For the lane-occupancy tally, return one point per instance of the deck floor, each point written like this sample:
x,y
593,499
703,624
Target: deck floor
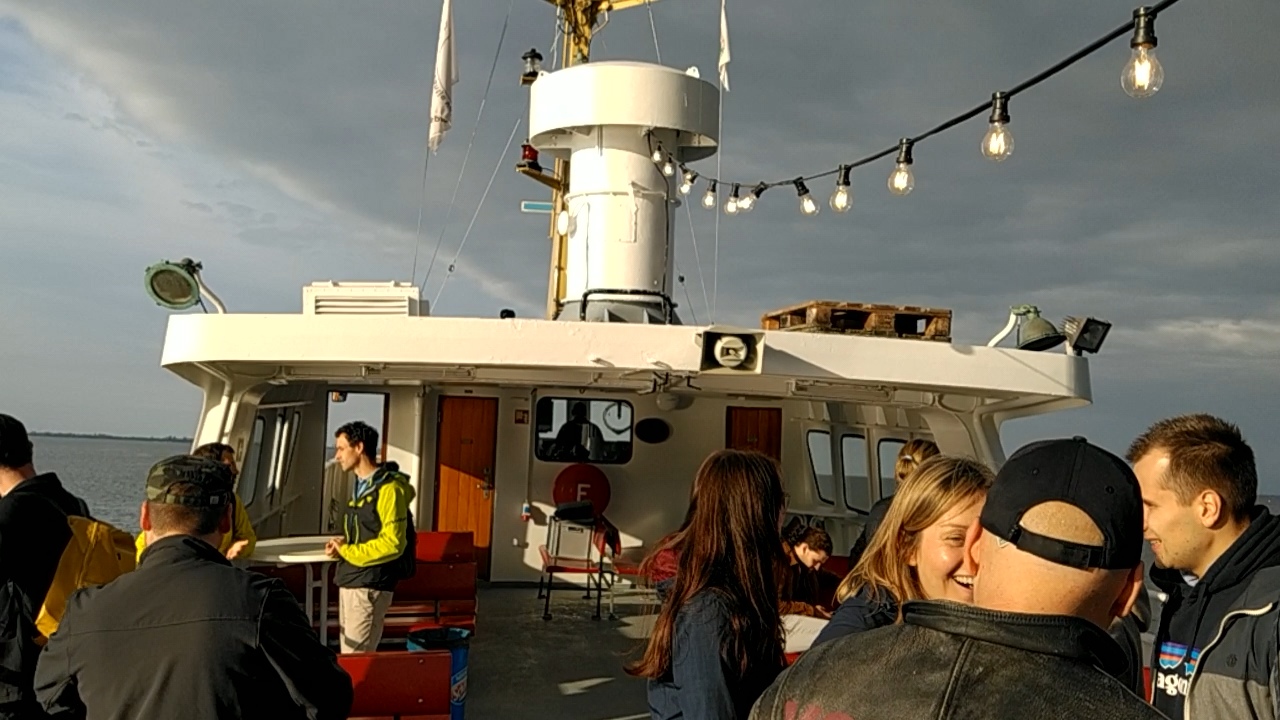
x,y
521,666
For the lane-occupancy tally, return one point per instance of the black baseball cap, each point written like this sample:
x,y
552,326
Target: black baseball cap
x,y
1077,473
209,482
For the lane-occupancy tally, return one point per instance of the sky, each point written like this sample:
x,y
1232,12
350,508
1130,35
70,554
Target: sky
x,y
282,143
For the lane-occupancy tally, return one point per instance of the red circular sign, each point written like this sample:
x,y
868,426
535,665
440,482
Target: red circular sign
x,y
582,482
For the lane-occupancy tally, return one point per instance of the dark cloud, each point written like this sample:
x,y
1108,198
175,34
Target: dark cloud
x,y
202,207
1158,215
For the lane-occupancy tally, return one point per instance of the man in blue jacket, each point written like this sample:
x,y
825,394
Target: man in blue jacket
x,y
1218,559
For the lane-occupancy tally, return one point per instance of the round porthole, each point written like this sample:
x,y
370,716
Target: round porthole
x,y
653,430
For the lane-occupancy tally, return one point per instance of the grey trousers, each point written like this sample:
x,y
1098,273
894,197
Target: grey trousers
x,y
360,615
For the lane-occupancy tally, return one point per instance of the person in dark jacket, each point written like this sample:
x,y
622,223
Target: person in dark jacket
x,y
718,641
1057,554
187,635
377,547
1218,560
801,583
33,534
920,553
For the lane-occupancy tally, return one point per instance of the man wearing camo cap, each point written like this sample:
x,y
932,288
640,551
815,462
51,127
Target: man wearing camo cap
x,y
187,634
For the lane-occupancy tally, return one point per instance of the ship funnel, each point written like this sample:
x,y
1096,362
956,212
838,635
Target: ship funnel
x,y
610,120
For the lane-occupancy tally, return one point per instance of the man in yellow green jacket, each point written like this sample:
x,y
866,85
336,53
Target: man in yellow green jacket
x,y
378,540
241,540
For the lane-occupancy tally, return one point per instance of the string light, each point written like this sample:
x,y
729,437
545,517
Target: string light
x,y
807,205
842,198
1142,75
731,205
709,198
902,181
748,202
997,144
686,184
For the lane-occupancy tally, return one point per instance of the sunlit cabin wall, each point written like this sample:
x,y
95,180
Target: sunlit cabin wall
x,y
405,411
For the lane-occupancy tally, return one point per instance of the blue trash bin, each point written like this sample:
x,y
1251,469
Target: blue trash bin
x,y
458,642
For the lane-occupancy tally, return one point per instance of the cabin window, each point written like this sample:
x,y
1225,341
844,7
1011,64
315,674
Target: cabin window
x,y
249,468
820,463
581,430
853,460
282,458
887,451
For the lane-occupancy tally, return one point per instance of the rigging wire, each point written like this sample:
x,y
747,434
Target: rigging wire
x,y
697,257
453,264
465,158
656,50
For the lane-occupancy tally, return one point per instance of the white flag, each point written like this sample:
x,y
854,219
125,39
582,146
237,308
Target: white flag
x,y
446,76
724,48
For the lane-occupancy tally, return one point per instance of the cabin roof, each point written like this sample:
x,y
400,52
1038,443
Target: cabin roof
x,y
533,352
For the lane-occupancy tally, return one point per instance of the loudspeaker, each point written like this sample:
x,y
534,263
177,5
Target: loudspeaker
x,y
731,351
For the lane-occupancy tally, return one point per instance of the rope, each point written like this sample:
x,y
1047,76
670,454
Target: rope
x,y
453,264
697,257
687,299
465,158
715,263
656,50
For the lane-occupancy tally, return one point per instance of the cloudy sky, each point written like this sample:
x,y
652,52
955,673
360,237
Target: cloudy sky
x,y
282,142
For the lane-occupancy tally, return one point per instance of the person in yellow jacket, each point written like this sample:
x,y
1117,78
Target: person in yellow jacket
x,y
241,540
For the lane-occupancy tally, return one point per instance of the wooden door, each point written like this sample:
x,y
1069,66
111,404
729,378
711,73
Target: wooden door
x,y
465,452
759,429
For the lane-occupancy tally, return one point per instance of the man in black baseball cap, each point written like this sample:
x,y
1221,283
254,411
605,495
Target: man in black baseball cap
x,y
1056,556
224,637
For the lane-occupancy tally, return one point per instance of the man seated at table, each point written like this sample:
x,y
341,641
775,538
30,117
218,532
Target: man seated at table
x,y
187,634
242,539
377,547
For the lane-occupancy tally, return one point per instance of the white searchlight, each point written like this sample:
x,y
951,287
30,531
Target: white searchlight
x,y
178,286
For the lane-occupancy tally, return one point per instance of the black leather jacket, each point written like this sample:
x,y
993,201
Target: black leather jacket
x,y
960,662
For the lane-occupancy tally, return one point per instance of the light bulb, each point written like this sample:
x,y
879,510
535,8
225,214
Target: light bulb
x,y
841,199
686,184
709,197
668,168
807,205
997,144
657,155
731,205
1143,75
901,180
746,203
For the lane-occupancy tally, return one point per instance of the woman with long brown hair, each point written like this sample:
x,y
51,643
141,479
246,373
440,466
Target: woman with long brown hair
x,y
917,553
718,641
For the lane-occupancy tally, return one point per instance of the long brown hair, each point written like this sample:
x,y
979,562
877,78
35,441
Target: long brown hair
x,y
936,487
911,456
732,547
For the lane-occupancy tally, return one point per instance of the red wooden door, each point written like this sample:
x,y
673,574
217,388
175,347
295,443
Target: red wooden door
x,y
758,429
466,448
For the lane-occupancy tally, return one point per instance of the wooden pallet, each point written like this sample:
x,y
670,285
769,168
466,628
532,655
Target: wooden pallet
x,y
830,316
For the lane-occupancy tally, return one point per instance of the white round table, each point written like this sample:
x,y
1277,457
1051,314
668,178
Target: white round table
x,y
308,551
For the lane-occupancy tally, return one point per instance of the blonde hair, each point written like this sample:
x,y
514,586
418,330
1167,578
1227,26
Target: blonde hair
x,y
937,486
911,456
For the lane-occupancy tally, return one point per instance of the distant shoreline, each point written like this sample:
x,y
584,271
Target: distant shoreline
x,y
104,436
